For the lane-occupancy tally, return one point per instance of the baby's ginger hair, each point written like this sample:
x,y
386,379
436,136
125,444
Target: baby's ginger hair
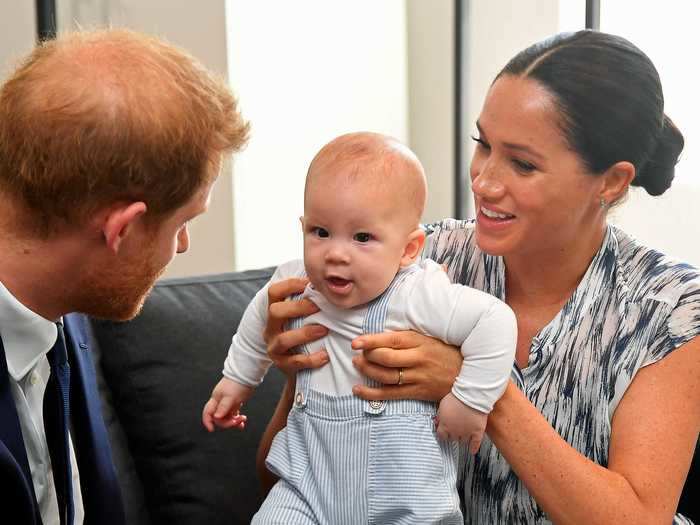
x,y
378,161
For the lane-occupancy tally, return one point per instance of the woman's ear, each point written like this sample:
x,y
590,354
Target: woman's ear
x,y
616,181
119,221
414,245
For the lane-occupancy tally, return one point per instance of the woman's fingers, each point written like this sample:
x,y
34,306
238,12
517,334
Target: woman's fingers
x,y
396,340
279,310
383,373
285,310
282,311
414,391
280,341
280,290
429,366
283,342
292,363
391,357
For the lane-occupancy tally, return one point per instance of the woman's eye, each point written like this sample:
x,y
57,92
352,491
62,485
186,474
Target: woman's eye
x,y
363,237
481,142
321,232
524,166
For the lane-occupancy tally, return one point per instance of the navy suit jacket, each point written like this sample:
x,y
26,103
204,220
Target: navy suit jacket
x,y
102,499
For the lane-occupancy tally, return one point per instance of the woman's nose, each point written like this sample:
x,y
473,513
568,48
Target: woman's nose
x,y
487,183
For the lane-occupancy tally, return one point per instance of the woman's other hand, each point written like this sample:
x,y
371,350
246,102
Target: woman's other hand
x,y
281,342
409,365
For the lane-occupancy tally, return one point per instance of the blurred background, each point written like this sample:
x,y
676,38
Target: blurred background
x,y
309,70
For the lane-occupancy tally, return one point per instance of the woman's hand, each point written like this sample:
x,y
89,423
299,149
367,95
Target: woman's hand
x,y
281,342
426,367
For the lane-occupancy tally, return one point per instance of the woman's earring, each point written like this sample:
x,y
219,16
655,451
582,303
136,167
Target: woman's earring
x,y
603,204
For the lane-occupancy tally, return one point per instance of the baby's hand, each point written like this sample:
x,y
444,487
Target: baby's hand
x,y
223,408
459,422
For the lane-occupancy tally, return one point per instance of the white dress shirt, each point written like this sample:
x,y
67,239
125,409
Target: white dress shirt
x,y
27,338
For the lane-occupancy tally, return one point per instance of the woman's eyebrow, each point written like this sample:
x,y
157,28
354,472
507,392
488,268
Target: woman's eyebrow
x,y
513,145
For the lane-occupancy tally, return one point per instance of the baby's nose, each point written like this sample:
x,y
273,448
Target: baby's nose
x,y
337,254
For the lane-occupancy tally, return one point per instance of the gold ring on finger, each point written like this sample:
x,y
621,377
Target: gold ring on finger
x,y
400,381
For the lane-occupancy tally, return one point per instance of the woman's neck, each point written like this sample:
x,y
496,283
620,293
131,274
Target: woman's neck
x,y
549,276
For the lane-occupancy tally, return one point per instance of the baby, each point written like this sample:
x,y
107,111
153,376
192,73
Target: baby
x,y
342,459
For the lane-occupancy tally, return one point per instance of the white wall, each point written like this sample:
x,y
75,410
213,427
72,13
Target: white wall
x,y
18,33
671,222
431,104
306,72
200,28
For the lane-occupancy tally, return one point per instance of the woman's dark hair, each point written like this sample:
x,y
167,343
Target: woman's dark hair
x,y
612,105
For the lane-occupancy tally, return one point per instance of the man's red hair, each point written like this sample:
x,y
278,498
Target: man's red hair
x,y
97,117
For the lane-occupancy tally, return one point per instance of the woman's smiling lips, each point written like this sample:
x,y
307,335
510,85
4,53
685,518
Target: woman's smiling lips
x,y
494,218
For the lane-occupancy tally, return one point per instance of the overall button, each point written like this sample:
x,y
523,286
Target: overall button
x,y
376,405
300,399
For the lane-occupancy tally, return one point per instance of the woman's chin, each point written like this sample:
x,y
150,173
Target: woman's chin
x,y
492,245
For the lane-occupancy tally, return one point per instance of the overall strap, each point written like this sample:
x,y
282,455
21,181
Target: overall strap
x,y
304,375
374,323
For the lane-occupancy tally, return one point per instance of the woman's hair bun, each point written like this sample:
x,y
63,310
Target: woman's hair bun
x,y
656,174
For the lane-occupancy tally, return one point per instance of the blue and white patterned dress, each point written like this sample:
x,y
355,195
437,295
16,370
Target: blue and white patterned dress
x,y
633,307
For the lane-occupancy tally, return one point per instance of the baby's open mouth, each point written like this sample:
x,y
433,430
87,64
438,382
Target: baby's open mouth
x,y
338,284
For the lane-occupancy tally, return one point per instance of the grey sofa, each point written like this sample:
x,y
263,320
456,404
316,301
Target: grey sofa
x,y
156,372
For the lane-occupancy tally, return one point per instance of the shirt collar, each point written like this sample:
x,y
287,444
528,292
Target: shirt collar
x,y
26,335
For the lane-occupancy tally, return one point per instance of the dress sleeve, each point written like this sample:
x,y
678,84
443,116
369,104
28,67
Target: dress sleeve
x,y
682,324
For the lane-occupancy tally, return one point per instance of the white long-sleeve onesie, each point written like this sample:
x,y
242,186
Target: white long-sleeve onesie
x,y
425,301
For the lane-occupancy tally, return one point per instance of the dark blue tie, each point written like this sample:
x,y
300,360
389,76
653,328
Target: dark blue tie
x,y
56,418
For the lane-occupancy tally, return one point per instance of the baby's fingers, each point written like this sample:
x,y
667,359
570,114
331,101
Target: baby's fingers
x,y
225,407
208,414
234,421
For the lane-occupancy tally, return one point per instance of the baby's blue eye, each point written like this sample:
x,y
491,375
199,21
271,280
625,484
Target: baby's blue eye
x,y
322,233
363,237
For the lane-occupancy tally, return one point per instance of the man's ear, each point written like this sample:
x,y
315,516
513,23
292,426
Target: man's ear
x,y
616,181
414,245
119,221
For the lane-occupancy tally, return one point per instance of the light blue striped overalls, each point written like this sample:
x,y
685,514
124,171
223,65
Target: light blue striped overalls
x,y
342,460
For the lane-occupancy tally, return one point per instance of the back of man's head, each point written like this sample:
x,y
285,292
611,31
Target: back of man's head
x,y
93,118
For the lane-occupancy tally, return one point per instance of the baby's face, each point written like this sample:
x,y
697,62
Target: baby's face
x,y
354,239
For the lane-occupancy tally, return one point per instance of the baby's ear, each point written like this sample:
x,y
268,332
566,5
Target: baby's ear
x,y
414,245
301,221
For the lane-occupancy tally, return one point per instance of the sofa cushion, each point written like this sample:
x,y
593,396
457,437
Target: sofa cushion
x,y
159,369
